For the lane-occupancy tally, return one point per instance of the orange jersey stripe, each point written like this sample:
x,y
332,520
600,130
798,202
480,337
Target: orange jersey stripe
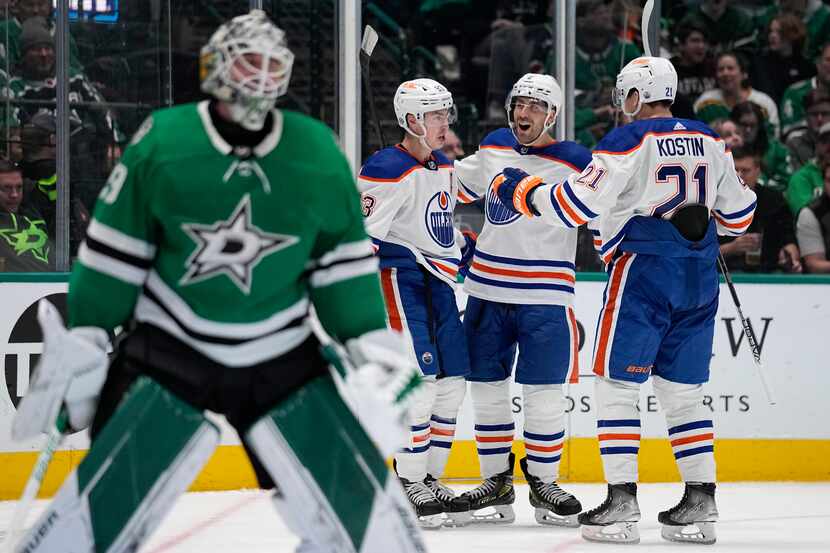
x,y
560,198
421,438
654,134
574,376
528,274
745,223
398,179
608,313
445,268
692,439
391,302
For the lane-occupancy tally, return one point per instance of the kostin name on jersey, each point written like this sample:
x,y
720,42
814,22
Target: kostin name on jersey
x,y
680,146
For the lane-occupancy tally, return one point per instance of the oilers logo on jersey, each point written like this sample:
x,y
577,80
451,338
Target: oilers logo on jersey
x,y
495,210
439,219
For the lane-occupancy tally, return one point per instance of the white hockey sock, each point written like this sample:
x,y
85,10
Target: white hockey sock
x,y
544,430
449,395
691,432
618,428
411,462
494,426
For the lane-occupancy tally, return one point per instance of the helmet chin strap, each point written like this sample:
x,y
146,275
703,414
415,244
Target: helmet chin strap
x,y
422,138
634,113
545,129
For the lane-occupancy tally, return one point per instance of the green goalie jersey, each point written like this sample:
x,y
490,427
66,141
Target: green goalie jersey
x,y
226,249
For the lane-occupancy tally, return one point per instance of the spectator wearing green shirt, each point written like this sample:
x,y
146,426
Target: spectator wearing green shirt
x,y
775,157
806,184
600,54
729,27
732,74
813,13
792,105
12,28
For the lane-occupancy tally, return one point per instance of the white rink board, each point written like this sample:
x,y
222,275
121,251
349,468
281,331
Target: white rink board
x,y
793,321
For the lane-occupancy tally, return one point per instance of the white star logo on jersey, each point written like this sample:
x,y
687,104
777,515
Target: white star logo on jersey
x,y
232,247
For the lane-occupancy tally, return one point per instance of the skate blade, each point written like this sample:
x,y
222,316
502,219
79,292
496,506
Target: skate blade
x,y
431,522
496,514
457,520
699,532
618,532
549,518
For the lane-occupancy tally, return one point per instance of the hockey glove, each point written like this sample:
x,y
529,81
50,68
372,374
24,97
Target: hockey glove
x,y
467,251
379,386
515,189
70,374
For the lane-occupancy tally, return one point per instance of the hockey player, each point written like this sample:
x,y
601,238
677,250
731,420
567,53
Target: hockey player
x,y
408,200
222,225
521,287
662,188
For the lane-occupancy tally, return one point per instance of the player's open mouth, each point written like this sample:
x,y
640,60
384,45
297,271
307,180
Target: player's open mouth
x,y
524,127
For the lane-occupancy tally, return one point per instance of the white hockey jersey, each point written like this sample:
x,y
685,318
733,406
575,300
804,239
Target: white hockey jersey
x,y
408,208
519,260
650,168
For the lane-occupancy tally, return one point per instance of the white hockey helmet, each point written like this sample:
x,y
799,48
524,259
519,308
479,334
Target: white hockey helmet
x,y
421,96
247,64
539,87
654,78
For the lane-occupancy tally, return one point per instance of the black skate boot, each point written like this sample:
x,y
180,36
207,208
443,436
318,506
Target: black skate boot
x,y
693,519
427,507
554,505
616,519
497,493
456,508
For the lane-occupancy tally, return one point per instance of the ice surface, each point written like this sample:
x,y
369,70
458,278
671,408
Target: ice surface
x,y
755,517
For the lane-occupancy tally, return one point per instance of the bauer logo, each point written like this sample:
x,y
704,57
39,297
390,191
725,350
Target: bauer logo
x,y
24,348
496,212
439,220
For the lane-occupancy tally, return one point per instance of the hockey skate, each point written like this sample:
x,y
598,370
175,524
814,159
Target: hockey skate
x,y
456,508
492,501
554,506
427,507
693,519
614,521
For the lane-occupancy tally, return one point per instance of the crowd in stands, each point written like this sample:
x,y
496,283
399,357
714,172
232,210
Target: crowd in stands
x,y
757,71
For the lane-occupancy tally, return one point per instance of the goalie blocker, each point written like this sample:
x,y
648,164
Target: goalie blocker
x,y
154,400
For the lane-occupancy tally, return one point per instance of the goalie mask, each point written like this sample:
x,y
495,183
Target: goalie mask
x,y
247,65
538,88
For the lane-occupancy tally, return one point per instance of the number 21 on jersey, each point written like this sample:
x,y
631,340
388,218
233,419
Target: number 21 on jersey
x,y
676,174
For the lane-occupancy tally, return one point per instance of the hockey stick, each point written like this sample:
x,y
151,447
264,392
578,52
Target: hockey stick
x,y
748,332
367,46
24,504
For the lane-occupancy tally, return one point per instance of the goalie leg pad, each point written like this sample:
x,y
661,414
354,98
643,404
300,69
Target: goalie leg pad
x,y
333,487
95,511
691,431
